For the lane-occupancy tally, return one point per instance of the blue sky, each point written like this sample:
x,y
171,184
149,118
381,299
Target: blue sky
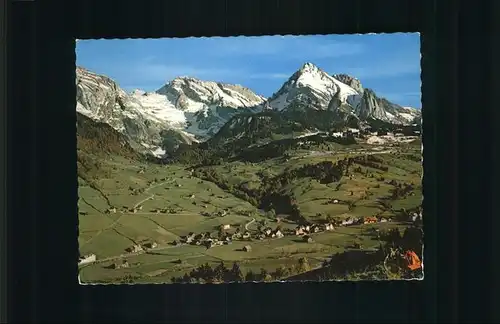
x,y
387,63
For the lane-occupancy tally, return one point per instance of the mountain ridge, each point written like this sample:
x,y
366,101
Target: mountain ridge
x,y
191,110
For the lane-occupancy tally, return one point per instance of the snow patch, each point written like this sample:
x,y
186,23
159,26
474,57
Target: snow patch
x,y
158,152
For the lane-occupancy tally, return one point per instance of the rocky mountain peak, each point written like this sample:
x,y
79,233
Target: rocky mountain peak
x,y
313,87
193,94
194,109
309,67
350,81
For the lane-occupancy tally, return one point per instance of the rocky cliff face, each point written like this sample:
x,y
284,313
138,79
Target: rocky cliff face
x,y
101,99
186,108
372,106
350,81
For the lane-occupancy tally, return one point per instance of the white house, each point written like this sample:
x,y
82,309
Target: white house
x,y
299,231
329,227
87,259
353,130
137,248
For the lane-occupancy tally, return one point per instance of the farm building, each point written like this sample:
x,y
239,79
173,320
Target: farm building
x,y
87,259
247,248
348,221
370,220
124,264
225,227
151,245
308,239
329,227
278,234
136,248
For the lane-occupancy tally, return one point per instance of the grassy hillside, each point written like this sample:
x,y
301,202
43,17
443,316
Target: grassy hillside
x,y
101,139
259,173
246,130
312,182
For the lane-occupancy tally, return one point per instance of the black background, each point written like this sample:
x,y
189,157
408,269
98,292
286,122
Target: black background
x,y
459,74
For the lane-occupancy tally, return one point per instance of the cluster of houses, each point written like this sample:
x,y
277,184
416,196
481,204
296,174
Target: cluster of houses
x,y
220,213
141,247
124,264
416,217
113,210
204,239
134,210
363,220
302,230
224,238
316,228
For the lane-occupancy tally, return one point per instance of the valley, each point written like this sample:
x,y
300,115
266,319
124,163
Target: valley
x,y
202,181
156,205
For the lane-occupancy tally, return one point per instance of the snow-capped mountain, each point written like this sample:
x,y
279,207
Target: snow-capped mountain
x,y
101,99
188,108
205,105
312,88
193,95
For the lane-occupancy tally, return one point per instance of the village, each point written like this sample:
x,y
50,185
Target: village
x,y
227,233
180,218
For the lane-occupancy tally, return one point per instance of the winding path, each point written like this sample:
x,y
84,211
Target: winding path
x,y
145,199
250,222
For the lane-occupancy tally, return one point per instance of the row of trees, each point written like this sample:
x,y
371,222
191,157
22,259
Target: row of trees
x,y
222,274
